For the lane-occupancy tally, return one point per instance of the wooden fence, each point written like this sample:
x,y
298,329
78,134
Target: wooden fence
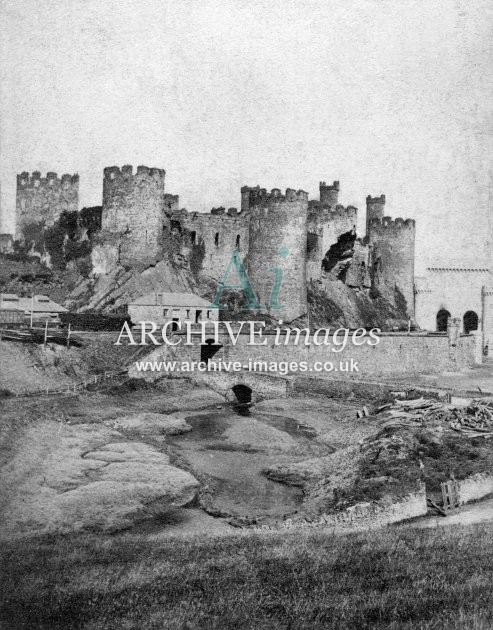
x,y
76,387
450,495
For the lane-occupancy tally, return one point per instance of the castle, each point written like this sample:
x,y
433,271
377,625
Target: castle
x,y
302,239
43,199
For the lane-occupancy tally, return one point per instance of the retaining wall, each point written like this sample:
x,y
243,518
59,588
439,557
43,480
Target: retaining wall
x,y
363,515
475,487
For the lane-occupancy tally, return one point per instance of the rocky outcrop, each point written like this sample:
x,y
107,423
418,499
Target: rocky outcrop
x,y
332,302
68,478
152,424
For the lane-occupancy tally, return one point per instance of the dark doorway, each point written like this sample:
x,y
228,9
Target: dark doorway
x,y
442,320
197,316
209,349
470,321
174,325
243,394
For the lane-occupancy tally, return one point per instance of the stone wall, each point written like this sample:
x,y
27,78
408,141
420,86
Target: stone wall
x,y
133,206
43,199
277,240
392,256
329,194
362,515
263,386
375,209
395,354
475,487
208,240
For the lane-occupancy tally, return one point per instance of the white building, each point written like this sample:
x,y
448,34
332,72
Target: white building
x,y
40,307
459,292
165,307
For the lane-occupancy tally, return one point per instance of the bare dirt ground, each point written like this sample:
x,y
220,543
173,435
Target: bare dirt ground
x,y
114,459
476,379
169,458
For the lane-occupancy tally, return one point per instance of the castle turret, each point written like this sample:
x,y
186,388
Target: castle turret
x,y
277,241
133,206
43,199
329,195
392,259
247,192
375,209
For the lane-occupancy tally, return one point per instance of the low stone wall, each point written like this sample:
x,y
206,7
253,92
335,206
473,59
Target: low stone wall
x,y
362,515
395,354
475,487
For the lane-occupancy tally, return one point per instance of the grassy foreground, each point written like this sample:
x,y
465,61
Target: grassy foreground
x,y
394,578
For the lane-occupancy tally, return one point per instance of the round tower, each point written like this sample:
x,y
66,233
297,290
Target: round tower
x,y
329,195
133,206
392,257
375,209
276,258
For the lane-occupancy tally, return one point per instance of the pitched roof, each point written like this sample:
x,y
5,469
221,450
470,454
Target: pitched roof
x,y
36,304
170,299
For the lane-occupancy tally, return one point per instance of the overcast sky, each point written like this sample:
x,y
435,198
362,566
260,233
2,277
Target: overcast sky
x,y
388,97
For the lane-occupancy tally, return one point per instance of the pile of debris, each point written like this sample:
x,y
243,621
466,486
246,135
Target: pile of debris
x,y
473,418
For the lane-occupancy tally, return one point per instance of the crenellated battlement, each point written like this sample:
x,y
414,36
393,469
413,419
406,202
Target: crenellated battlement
x,y
334,186
329,194
371,200
260,197
42,200
317,209
26,181
114,173
387,223
217,216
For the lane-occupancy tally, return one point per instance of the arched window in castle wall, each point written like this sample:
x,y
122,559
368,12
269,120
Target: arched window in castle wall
x,y
216,239
442,320
237,245
193,237
471,321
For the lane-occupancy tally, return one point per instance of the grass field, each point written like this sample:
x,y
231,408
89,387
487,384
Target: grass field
x,y
393,578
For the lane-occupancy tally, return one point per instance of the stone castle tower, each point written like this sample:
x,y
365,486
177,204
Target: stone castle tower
x,y
375,209
43,199
133,206
329,195
328,221
277,240
284,240
391,245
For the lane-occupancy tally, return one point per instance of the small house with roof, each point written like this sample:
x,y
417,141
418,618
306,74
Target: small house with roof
x,y
161,308
41,306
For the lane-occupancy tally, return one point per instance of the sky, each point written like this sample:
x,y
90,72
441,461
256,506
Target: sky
x,y
387,96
